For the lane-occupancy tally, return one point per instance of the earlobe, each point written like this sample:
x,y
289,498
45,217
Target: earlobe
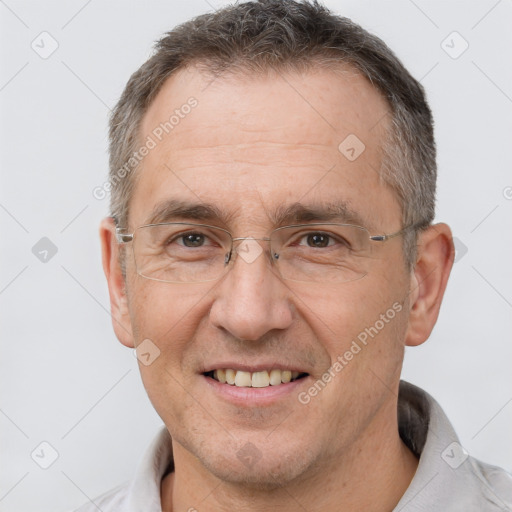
x,y
428,282
116,283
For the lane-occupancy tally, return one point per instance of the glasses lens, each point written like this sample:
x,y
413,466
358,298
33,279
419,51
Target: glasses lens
x,y
321,252
181,253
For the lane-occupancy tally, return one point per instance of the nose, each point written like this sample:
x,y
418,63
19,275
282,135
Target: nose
x,y
251,300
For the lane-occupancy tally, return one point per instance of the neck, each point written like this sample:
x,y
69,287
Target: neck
x,y
371,475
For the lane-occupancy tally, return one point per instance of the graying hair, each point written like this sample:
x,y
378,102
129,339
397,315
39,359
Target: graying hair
x,y
258,36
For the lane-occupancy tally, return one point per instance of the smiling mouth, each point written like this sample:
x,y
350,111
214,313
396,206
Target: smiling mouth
x,y
260,379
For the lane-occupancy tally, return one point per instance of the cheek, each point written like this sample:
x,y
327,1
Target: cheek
x,y
340,312
362,332
169,315
361,325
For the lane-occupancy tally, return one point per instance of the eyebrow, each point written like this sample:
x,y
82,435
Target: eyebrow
x,y
173,209
295,213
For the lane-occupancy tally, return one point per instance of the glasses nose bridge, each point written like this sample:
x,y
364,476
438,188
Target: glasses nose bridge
x,y
239,238
248,252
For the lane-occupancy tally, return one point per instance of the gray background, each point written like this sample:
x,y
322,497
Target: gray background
x,y
65,379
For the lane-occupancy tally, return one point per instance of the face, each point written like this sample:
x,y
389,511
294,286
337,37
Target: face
x,y
251,148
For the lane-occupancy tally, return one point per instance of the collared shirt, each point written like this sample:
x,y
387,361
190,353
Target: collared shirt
x,y
447,478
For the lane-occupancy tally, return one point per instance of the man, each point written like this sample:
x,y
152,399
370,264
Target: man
x,y
270,254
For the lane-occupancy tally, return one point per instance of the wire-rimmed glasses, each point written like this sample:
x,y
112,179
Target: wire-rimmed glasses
x,y
178,252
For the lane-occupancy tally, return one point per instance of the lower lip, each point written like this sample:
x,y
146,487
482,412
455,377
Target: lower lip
x,y
250,397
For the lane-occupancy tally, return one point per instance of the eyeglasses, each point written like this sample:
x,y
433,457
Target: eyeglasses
x,y
179,252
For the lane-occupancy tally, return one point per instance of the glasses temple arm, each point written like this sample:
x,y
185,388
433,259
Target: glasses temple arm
x,y
383,238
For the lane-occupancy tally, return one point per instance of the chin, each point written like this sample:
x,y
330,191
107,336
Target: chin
x,y
257,463
263,475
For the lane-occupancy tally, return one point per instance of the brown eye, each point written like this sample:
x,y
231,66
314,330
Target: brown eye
x,y
192,240
317,240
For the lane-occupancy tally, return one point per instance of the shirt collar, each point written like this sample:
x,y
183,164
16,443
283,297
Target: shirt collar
x,y
447,478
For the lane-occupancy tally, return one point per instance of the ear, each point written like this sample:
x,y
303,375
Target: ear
x,y
428,281
116,283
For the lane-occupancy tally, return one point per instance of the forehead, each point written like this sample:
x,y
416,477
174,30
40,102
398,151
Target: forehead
x,y
251,144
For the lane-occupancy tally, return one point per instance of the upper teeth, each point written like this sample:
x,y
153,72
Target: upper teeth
x,y
255,379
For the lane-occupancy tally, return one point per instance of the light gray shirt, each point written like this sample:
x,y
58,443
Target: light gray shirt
x,y
447,478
